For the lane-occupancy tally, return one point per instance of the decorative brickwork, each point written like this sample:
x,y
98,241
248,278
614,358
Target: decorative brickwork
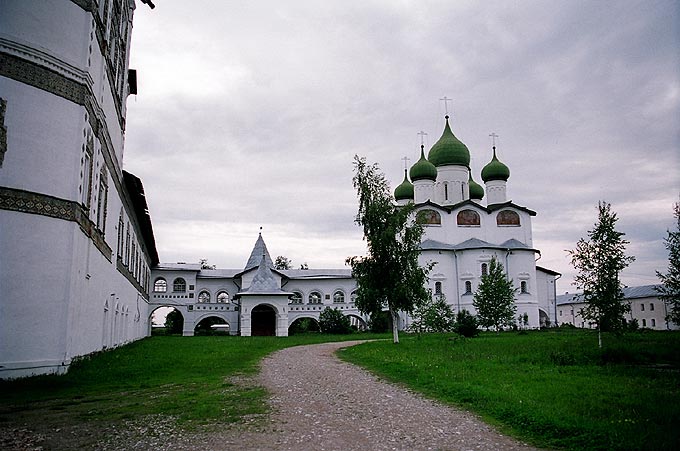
x,y
41,204
3,130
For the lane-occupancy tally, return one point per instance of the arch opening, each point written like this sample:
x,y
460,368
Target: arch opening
x,y
263,320
304,325
166,320
212,325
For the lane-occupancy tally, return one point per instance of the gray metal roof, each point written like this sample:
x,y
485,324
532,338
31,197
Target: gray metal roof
x,y
642,291
258,251
472,243
179,266
317,273
264,281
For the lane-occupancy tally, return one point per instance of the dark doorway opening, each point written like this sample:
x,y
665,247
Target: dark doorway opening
x,y
263,320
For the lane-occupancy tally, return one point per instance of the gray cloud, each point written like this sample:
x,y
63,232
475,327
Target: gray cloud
x,y
250,113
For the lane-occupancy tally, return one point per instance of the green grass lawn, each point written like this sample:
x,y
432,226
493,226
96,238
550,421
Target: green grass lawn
x,y
552,388
197,380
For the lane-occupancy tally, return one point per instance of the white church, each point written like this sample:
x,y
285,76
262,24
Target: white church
x,y
79,269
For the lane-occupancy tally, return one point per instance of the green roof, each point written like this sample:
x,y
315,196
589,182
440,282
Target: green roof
x,y
495,170
476,190
423,169
405,190
449,150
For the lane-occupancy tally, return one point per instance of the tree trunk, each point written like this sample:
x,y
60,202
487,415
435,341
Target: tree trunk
x,y
599,336
395,325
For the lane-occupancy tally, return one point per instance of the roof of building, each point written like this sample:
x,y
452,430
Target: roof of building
x,y
642,291
405,190
548,271
317,273
135,192
473,243
488,209
476,190
259,250
495,170
423,169
449,150
264,282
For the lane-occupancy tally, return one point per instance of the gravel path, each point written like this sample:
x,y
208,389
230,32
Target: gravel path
x,y
322,403
318,403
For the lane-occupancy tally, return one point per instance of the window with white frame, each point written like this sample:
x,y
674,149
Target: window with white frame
x,y
222,297
315,297
179,285
339,296
468,287
203,297
523,287
485,269
160,285
296,298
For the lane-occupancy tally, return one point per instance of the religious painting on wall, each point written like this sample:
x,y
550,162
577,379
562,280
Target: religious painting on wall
x,y
468,218
429,217
507,218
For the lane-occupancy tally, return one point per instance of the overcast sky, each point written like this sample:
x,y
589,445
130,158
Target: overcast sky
x,y
249,115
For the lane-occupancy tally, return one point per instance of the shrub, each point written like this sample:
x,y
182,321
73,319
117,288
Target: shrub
x,y
332,321
466,324
433,315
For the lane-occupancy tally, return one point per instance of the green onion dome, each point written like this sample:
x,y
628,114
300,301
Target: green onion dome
x,y
405,190
476,190
423,169
495,170
449,150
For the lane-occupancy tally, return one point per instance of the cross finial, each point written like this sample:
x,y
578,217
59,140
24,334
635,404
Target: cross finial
x,y
493,139
422,137
405,160
446,104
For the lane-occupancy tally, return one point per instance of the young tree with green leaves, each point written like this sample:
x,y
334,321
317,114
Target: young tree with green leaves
x,y
669,292
333,321
389,276
433,315
494,300
282,262
599,261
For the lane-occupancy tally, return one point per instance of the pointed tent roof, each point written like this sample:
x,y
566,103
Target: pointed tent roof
x,y
264,281
259,250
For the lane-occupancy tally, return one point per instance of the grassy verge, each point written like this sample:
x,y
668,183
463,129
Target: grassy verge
x,y
196,380
555,389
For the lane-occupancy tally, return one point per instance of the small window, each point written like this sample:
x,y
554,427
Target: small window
x,y
179,285
560,312
296,298
315,297
468,287
222,297
204,297
339,296
644,322
523,287
353,296
437,288
653,322
651,307
642,307
160,285
485,269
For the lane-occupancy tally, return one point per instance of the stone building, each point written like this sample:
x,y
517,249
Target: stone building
x,y
76,243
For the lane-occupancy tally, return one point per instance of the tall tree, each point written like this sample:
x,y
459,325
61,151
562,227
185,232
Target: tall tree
x,y
494,300
389,276
599,261
669,292
282,262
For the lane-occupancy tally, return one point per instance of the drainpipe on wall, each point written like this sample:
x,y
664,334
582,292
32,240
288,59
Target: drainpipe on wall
x,y
455,264
555,296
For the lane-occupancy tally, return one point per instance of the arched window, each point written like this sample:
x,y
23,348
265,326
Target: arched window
x,y
468,287
222,297
160,285
485,269
507,218
179,285
353,296
315,297
468,218
437,288
523,287
203,297
339,296
296,298
429,217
